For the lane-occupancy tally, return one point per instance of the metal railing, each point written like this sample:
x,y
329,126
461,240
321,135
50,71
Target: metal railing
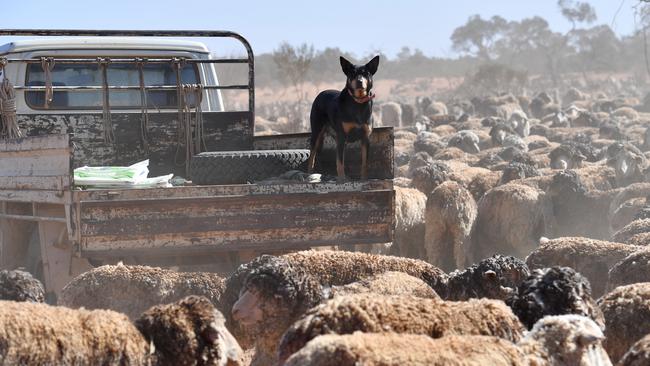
x,y
250,60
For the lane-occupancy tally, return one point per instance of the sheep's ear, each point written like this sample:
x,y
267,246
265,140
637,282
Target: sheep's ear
x,y
373,65
346,66
586,339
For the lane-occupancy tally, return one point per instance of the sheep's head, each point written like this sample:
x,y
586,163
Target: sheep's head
x,y
566,340
520,123
498,133
465,140
566,157
190,331
516,170
495,277
566,182
20,286
428,177
554,291
627,160
274,295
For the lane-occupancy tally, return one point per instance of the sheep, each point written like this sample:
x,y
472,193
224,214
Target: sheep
x,y
133,289
564,340
572,95
626,112
628,161
542,105
189,332
391,349
520,123
387,283
277,293
409,236
566,156
634,268
408,114
19,285
626,310
553,291
592,258
498,133
466,141
511,219
638,354
401,314
637,232
329,268
428,142
428,177
495,277
436,109
391,114
516,170
449,216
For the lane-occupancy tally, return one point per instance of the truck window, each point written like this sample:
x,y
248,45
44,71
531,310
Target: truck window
x,y
118,74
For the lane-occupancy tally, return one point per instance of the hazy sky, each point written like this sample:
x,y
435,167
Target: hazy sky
x,y
355,26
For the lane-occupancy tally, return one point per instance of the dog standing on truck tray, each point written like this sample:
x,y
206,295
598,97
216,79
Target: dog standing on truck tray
x,y
348,112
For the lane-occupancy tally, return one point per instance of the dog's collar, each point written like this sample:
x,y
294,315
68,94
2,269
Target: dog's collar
x,y
362,100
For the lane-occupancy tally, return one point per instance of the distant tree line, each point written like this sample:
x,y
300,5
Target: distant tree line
x,y
513,48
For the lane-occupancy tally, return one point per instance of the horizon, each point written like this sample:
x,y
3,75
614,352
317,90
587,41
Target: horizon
x,y
332,27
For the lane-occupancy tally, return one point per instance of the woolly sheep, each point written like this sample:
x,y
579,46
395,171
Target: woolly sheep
x,y
565,340
277,293
410,205
401,314
638,354
133,289
511,219
627,313
330,268
466,141
428,142
188,332
450,214
632,269
636,232
592,258
430,176
559,341
554,291
390,349
391,114
495,277
19,285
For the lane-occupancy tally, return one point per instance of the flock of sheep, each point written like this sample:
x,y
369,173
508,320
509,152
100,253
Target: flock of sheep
x,y
521,227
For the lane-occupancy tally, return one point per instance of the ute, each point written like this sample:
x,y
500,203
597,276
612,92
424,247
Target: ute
x,y
114,98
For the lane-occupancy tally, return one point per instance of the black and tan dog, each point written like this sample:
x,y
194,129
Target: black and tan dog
x,y
348,112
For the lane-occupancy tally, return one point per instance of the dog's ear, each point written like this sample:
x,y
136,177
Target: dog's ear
x,y
373,65
347,66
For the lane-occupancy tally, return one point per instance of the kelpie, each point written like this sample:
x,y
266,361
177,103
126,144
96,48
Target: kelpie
x,y
348,112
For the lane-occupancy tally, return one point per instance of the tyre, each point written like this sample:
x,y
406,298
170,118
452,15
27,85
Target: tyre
x,y
238,167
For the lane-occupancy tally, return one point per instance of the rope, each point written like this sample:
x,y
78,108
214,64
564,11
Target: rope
x,y
109,136
8,110
192,129
144,117
47,63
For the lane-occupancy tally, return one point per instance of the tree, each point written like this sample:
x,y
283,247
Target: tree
x,y
477,36
293,64
577,12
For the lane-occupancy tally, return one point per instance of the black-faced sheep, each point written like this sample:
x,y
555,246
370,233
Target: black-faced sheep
x,y
627,313
189,332
495,277
133,289
511,219
428,142
566,156
401,314
516,170
450,214
428,177
634,268
592,258
554,291
390,349
628,162
19,285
